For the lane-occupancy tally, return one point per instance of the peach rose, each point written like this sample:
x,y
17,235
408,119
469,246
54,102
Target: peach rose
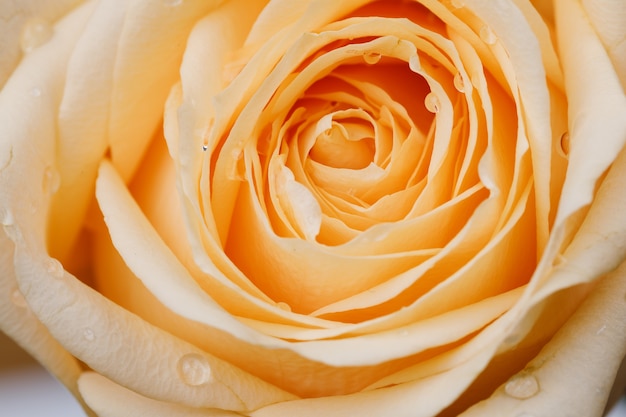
x,y
407,208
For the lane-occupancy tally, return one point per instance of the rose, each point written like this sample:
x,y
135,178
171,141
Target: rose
x,y
218,235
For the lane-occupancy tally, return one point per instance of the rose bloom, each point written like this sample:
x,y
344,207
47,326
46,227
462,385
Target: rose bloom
x,y
317,208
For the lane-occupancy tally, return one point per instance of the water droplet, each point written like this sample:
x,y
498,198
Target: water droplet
x,y
205,147
7,217
601,330
8,222
194,369
457,4
35,92
10,228
51,180
17,298
564,144
487,35
54,268
522,386
432,102
89,335
372,57
459,84
172,3
283,306
36,32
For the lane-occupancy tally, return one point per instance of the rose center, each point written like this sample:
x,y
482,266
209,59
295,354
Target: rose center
x,y
346,143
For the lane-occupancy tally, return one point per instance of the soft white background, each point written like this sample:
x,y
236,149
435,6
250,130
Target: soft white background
x,y
27,390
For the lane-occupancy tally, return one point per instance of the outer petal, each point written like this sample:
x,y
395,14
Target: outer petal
x,y
18,322
597,105
26,172
108,399
14,15
101,333
574,373
114,99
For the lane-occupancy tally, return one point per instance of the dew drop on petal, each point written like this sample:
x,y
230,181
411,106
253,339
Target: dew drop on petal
x,y
459,84
51,180
194,369
17,298
564,144
522,386
432,102
283,306
205,147
372,57
487,35
89,335
36,32
7,218
54,268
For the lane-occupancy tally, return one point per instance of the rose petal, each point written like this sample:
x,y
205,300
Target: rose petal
x,y
609,21
13,17
596,107
109,399
26,193
101,333
574,372
19,323
114,98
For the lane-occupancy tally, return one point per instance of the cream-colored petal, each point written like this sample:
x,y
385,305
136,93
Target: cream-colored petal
x,y
14,18
608,18
524,54
597,104
99,333
82,123
574,372
147,64
109,399
26,182
423,397
146,254
19,323
598,246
